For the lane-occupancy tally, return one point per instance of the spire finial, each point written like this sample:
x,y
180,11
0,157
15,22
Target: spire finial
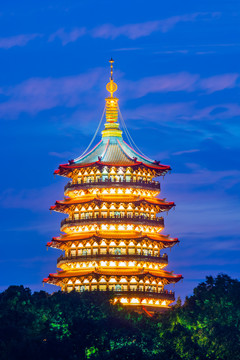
x,y
111,125
111,62
111,86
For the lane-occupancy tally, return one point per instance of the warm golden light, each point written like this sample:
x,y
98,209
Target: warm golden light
x,y
111,236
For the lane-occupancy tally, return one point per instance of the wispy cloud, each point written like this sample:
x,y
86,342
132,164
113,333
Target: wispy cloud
x,y
37,94
219,82
163,83
182,81
131,31
184,111
186,152
110,31
67,37
135,31
18,40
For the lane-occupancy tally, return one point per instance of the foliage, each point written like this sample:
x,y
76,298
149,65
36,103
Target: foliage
x,y
79,326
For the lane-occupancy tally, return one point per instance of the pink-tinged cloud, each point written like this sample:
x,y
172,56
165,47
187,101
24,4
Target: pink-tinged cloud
x,y
132,31
219,82
67,37
178,82
163,83
183,111
18,40
37,94
135,31
186,152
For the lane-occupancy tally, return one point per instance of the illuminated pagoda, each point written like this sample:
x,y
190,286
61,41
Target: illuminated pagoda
x,y
112,237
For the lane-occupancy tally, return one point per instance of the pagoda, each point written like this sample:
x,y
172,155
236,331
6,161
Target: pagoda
x,y
111,237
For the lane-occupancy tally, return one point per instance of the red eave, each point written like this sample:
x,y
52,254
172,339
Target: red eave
x,y
75,166
62,274
159,202
66,238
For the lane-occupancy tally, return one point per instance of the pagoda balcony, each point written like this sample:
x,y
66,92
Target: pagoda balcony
x,y
118,219
154,294
163,294
148,185
162,259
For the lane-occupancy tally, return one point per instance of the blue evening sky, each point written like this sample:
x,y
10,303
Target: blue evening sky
x,y
177,69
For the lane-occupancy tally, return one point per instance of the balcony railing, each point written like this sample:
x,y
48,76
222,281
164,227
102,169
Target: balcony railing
x,y
139,257
163,294
159,221
151,185
154,294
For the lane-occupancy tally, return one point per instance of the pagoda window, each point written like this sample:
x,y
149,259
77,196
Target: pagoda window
x,y
128,178
155,253
103,250
149,252
117,213
123,251
96,214
134,178
133,287
82,288
118,287
149,288
131,251
102,287
93,287
77,288
104,214
69,288
139,251
86,252
73,252
76,216
82,215
117,251
111,214
95,251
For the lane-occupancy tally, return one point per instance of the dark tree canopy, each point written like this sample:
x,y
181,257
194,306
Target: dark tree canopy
x,y
80,326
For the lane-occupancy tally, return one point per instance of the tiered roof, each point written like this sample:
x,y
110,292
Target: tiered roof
x,y
112,151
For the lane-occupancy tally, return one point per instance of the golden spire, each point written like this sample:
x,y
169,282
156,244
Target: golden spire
x,y
111,86
111,126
